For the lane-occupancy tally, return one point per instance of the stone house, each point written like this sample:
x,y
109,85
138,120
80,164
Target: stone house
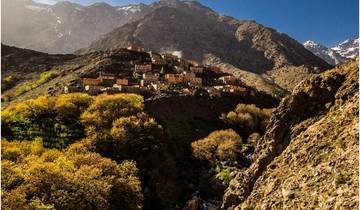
x,y
229,79
93,89
187,75
124,82
150,77
91,81
143,68
174,78
234,89
103,76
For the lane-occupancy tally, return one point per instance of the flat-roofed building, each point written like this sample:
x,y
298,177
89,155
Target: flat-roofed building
x,y
188,75
91,81
174,78
234,89
124,82
143,68
150,77
229,79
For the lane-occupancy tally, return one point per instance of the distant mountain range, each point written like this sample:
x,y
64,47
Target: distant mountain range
x,y
63,27
335,55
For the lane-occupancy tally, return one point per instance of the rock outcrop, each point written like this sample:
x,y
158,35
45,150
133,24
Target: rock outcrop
x,y
308,157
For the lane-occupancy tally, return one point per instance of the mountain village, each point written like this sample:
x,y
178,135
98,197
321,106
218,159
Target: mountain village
x,y
140,71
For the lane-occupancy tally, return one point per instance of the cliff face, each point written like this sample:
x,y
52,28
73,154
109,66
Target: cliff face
x,y
308,157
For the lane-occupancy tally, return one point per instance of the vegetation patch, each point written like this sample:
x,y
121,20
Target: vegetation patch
x,y
43,78
342,178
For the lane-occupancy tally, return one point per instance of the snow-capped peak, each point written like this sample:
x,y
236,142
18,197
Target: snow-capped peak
x,y
348,49
130,8
310,43
336,55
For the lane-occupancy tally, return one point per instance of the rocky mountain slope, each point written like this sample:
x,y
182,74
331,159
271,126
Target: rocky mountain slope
x,y
195,30
20,65
336,55
63,27
308,158
259,82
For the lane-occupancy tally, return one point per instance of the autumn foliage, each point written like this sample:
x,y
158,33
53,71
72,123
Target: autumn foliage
x,y
248,118
34,177
87,130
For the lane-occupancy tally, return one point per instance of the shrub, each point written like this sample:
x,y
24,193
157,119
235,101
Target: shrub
x,y
248,118
224,175
23,88
254,138
219,146
342,178
46,76
50,179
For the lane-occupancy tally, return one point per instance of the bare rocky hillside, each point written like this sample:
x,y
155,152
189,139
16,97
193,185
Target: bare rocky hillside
x,y
308,158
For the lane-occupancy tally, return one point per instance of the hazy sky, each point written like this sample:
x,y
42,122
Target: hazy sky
x,y
324,21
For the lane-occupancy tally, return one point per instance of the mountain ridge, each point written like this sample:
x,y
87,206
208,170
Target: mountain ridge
x,y
63,27
338,54
245,44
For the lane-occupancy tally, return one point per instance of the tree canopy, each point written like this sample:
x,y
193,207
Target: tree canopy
x,y
34,177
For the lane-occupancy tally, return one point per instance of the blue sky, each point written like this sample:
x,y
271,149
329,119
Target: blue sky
x,y
324,21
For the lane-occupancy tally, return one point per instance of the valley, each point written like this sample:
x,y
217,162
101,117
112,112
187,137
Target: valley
x,y
171,105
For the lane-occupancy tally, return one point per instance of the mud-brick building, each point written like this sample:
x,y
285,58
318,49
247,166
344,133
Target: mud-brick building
x,y
104,79
187,75
143,68
91,81
234,89
150,77
174,78
228,79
